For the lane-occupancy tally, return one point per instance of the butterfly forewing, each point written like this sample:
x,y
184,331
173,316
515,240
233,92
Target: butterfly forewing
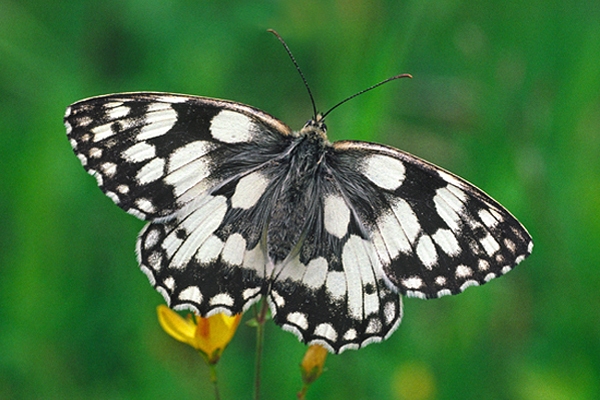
x,y
241,207
434,233
152,153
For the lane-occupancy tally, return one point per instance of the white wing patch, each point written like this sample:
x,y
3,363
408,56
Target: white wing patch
x,y
151,171
145,205
336,215
234,249
407,219
222,299
386,239
489,244
447,241
413,282
188,153
191,293
327,331
316,273
336,284
117,112
462,271
187,177
426,251
353,257
255,260
249,190
487,218
199,225
209,250
384,171
109,169
159,120
232,127
299,319
139,152
102,132
448,207
95,152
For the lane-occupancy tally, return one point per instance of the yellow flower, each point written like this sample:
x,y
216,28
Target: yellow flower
x,y
209,335
312,363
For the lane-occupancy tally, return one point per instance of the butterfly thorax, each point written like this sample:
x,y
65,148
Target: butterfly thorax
x,y
296,207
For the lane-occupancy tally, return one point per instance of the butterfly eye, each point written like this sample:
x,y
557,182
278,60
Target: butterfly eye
x,y
316,124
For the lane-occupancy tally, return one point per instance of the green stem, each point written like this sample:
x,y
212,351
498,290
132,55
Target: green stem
x,y
213,379
302,393
261,317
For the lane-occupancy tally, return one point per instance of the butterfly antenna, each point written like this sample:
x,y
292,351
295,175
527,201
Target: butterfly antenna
x,y
366,90
312,99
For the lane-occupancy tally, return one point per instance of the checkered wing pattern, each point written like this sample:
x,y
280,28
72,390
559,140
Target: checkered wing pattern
x,y
241,207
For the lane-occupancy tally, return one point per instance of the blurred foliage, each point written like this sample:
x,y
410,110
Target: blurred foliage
x,y
505,93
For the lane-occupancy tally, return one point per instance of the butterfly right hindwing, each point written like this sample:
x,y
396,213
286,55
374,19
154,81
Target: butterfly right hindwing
x,y
331,289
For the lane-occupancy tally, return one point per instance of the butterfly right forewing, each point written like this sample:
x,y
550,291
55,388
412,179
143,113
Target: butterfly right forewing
x,y
434,233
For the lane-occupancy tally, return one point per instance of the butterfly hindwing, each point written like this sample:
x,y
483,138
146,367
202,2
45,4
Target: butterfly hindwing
x,y
331,288
205,259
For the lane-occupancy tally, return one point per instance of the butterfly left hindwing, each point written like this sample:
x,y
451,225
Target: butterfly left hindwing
x,y
242,207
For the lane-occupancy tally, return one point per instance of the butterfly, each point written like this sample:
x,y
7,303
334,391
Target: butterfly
x,y
239,207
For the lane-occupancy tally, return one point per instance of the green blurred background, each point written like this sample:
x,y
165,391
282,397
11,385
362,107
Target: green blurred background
x,y
505,94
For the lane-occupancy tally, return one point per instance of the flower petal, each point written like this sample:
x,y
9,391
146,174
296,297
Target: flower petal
x,y
214,333
177,327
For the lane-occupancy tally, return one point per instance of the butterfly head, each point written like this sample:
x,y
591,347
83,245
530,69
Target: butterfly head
x,y
315,127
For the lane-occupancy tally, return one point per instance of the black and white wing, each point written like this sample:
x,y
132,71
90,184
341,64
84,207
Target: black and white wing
x,y
386,222
434,233
330,288
194,167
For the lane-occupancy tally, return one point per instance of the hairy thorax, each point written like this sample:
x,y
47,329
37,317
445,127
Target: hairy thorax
x,y
298,193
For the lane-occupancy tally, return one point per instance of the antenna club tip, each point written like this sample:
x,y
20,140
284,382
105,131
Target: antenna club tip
x,y
274,32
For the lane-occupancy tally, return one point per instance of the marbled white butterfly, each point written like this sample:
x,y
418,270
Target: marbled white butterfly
x,y
240,206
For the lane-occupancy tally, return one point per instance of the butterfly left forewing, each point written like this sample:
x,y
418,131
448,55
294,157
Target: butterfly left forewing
x,y
435,233
152,153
